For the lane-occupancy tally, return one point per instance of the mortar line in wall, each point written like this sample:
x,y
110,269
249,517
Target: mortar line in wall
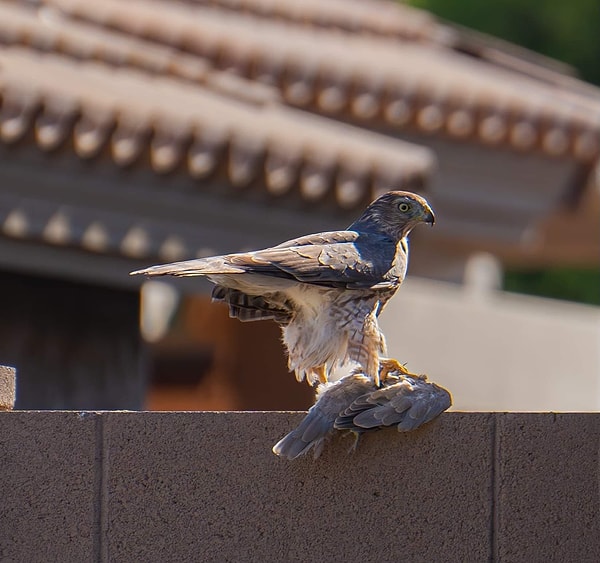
x,y
100,503
494,489
97,486
105,498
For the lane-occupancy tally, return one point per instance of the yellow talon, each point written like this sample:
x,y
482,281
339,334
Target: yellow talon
x,y
391,365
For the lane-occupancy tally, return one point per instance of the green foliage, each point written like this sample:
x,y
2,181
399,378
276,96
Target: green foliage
x,y
569,284
567,31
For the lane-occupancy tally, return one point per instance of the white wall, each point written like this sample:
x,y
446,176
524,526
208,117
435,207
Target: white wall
x,y
497,351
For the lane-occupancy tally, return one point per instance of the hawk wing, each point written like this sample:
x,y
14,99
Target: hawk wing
x,y
337,259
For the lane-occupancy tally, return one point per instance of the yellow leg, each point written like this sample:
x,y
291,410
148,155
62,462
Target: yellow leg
x,y
321,372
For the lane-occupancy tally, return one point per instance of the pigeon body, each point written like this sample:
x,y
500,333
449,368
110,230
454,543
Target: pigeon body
x,y
355,403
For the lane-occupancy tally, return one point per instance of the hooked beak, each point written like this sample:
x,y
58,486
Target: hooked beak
x,y
429,217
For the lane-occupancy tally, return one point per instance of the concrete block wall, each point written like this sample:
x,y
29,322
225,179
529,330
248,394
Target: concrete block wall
x,y
161,487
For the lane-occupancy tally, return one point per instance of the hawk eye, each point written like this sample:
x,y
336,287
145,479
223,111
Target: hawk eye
x,y
404,207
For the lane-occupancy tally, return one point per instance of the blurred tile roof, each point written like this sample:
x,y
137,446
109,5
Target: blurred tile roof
x,y
153,98
223,86
176,122
381,62
374,16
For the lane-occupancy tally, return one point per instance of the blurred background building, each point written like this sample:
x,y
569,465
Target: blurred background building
x,y
148,131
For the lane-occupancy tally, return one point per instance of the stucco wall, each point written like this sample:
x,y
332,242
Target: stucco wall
x,y
497,351
124,486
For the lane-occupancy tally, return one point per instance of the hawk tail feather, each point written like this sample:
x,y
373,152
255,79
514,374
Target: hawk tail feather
x,y
196,267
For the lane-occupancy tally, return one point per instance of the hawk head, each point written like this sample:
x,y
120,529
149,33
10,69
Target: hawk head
x,y
395,214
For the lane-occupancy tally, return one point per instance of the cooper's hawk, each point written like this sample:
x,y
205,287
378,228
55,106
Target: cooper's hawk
x,y
326,290
355,403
